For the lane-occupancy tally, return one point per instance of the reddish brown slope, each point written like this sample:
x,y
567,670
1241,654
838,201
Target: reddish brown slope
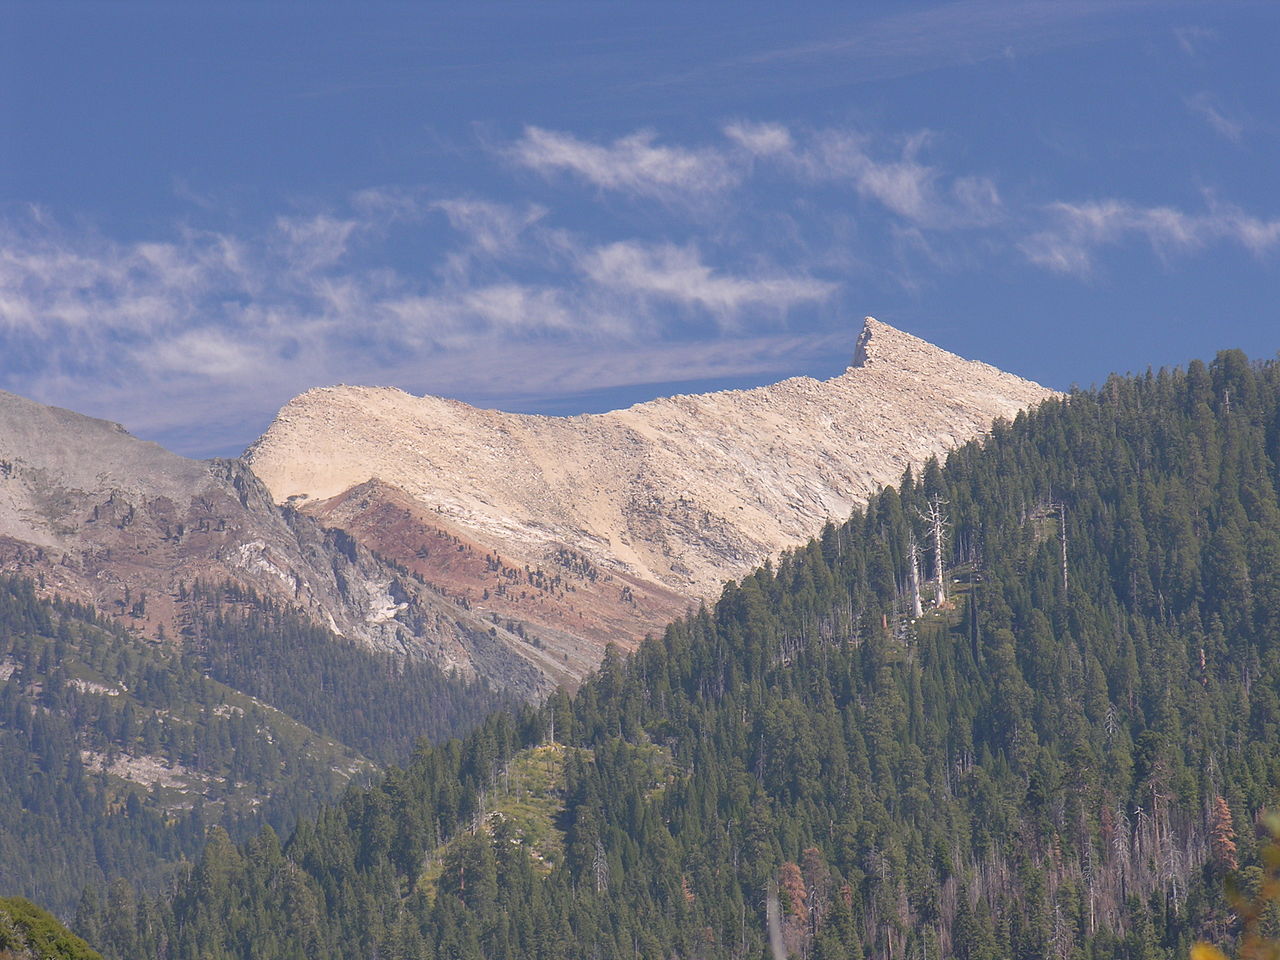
x,y
561,603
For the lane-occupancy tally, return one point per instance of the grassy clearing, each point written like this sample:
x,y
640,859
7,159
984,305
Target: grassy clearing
x,y
529,797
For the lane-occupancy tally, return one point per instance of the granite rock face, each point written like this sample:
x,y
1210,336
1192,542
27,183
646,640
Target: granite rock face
x,y
596,528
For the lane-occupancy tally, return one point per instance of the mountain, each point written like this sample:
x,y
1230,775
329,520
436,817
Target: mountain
x,y
102,517
579,531
176,652
1062,756
507,547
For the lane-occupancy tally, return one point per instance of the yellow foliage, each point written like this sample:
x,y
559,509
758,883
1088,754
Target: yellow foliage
x,y
1253,944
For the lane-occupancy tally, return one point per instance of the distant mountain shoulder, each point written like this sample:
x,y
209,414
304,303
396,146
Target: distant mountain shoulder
x,y
579,530
105,518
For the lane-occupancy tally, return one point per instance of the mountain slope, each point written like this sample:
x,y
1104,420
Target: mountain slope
x,y
116,754
565,606
30,933
105,518
1044,764
667,499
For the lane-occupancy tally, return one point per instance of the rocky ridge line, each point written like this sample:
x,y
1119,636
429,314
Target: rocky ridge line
x,y
680,493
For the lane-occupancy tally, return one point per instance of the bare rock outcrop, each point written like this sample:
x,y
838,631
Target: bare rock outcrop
x,y
667,498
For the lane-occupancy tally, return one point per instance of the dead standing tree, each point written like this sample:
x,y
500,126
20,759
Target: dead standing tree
x,y
1050,509
1062,538
936,517
917,609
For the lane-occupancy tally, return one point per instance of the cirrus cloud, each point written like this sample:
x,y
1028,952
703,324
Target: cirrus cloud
x,y
233,325
1079,230
679,274
633,163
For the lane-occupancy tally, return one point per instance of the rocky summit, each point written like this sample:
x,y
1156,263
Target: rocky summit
x,y
573,532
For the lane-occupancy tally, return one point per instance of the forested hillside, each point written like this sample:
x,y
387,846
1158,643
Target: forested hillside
x,y
28,932
377,703
117,754
1061,757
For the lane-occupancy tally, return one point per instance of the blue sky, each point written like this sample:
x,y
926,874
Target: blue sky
x,y
561,207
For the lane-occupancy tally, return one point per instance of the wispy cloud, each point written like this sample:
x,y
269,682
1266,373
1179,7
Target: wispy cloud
x,y
761,139
679,274
634,163
244,321
438,292
857,48
494,228
578,368
81,284
1205,106
1079,230
890,171
1192,39
314,243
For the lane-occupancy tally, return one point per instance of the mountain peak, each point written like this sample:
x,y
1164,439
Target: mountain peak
x,y
879,343
860,354
674,495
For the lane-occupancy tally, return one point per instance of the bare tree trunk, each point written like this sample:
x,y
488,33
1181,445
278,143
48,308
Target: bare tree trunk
x,y
937,519
1062,516
601,865
917,609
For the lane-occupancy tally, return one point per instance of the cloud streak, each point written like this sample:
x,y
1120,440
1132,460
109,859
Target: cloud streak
x,y
899,180
1192,39
1079,230
857,49
678,274
888,171
634,163
1206,107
